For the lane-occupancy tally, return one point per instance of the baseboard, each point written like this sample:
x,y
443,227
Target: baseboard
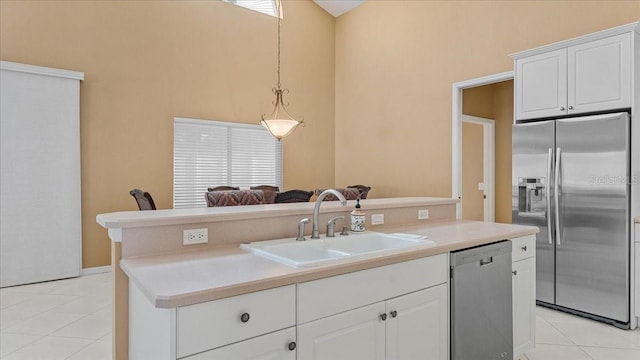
x,y
95,270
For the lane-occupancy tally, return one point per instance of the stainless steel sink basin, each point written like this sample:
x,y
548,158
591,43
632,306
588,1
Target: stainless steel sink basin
x,y
321,251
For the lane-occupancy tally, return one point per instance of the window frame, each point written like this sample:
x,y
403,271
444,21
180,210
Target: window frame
x,y
233,140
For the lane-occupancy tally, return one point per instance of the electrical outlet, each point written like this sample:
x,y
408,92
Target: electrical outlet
x,y
423,214
195,236
377,219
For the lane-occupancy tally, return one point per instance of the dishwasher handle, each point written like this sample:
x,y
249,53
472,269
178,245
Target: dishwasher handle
x,y
486,261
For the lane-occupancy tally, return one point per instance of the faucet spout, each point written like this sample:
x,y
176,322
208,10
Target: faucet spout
x,y
315,233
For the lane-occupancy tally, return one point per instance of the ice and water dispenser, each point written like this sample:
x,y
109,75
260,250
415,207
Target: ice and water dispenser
x,y
531,196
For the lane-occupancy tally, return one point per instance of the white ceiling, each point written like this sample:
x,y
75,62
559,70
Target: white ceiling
x,y
338,7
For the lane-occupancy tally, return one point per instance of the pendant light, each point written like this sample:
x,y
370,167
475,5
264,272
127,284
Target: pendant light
x,y
280,124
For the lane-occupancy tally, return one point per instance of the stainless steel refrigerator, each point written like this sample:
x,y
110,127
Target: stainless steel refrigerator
x,y
571,179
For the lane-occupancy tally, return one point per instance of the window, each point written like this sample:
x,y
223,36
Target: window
x,y
213,153
268,7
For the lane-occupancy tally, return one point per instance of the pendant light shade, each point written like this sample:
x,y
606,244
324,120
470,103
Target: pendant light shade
x,y
279,123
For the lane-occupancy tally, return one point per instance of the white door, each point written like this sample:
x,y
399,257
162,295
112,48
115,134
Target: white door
x,y
280,345
417,325
40,174
477,183
355,334
523,285
600,75
541,85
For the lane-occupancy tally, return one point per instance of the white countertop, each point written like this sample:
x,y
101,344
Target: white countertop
x,y
186,278
130,219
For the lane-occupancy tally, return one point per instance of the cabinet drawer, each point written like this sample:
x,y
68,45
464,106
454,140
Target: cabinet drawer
x,y
216,323
271,346
324,297
523,247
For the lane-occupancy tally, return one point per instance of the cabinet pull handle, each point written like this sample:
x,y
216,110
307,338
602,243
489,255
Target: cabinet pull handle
x,y
524,248
562,108
383,317
292,346
394,314
244,317
570,107
515,272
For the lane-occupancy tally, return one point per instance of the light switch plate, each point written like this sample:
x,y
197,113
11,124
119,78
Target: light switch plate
x,y
377,219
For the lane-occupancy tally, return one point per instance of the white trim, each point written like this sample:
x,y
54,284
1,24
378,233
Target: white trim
x,y
41,70
635,26
456,124
488,167
95,270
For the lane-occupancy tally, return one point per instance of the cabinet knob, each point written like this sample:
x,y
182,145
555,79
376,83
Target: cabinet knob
x,y
570,107
524,248
394,314
383,317
562,108
292,346
244,317
515,272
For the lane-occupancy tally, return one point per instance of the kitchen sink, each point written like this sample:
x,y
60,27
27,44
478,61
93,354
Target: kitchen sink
x,y
326,250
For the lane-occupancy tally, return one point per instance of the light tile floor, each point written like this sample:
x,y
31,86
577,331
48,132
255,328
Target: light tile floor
x,y
71,319
561,336
65,319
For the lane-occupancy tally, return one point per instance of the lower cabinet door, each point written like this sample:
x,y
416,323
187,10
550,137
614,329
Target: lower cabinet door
x,y
417,325
352,335
524,295
279,345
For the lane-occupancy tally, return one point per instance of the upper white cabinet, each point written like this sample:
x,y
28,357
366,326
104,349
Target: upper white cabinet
x,y
541,82
599,75
592,74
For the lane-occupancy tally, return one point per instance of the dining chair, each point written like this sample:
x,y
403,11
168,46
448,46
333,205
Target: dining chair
x,y
143,199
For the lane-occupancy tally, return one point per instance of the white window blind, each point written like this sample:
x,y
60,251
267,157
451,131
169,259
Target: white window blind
x,y
215,153
264,6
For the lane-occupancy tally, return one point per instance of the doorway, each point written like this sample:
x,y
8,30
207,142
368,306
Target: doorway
x,y
478,168
489,97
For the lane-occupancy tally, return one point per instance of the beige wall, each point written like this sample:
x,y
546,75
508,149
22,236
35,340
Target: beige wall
x,y
503,115
148,61
397,60
472,171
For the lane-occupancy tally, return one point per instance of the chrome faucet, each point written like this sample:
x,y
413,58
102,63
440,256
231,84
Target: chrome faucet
x,y
315,233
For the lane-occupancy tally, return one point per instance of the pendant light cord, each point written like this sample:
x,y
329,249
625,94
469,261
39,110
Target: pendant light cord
x,y
278,5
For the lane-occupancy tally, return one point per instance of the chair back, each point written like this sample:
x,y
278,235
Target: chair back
x,y
364,190
292,196
223,188
234,197
143,199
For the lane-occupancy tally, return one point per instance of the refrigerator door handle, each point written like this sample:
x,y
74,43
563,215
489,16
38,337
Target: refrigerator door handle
x,y
557,195
548,194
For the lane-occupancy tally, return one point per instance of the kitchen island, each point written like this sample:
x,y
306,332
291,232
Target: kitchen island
x,y
167,286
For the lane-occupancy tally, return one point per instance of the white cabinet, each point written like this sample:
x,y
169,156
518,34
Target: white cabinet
x,y
412,326
637,265
258,325
355,334
541,85
417,325
523,294
587,77
279,345
397,311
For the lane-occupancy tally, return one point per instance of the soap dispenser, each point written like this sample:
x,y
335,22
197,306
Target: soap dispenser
x,y
357,218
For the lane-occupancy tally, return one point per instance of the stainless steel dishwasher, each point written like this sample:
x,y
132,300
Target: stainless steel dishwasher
x,y
481,304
